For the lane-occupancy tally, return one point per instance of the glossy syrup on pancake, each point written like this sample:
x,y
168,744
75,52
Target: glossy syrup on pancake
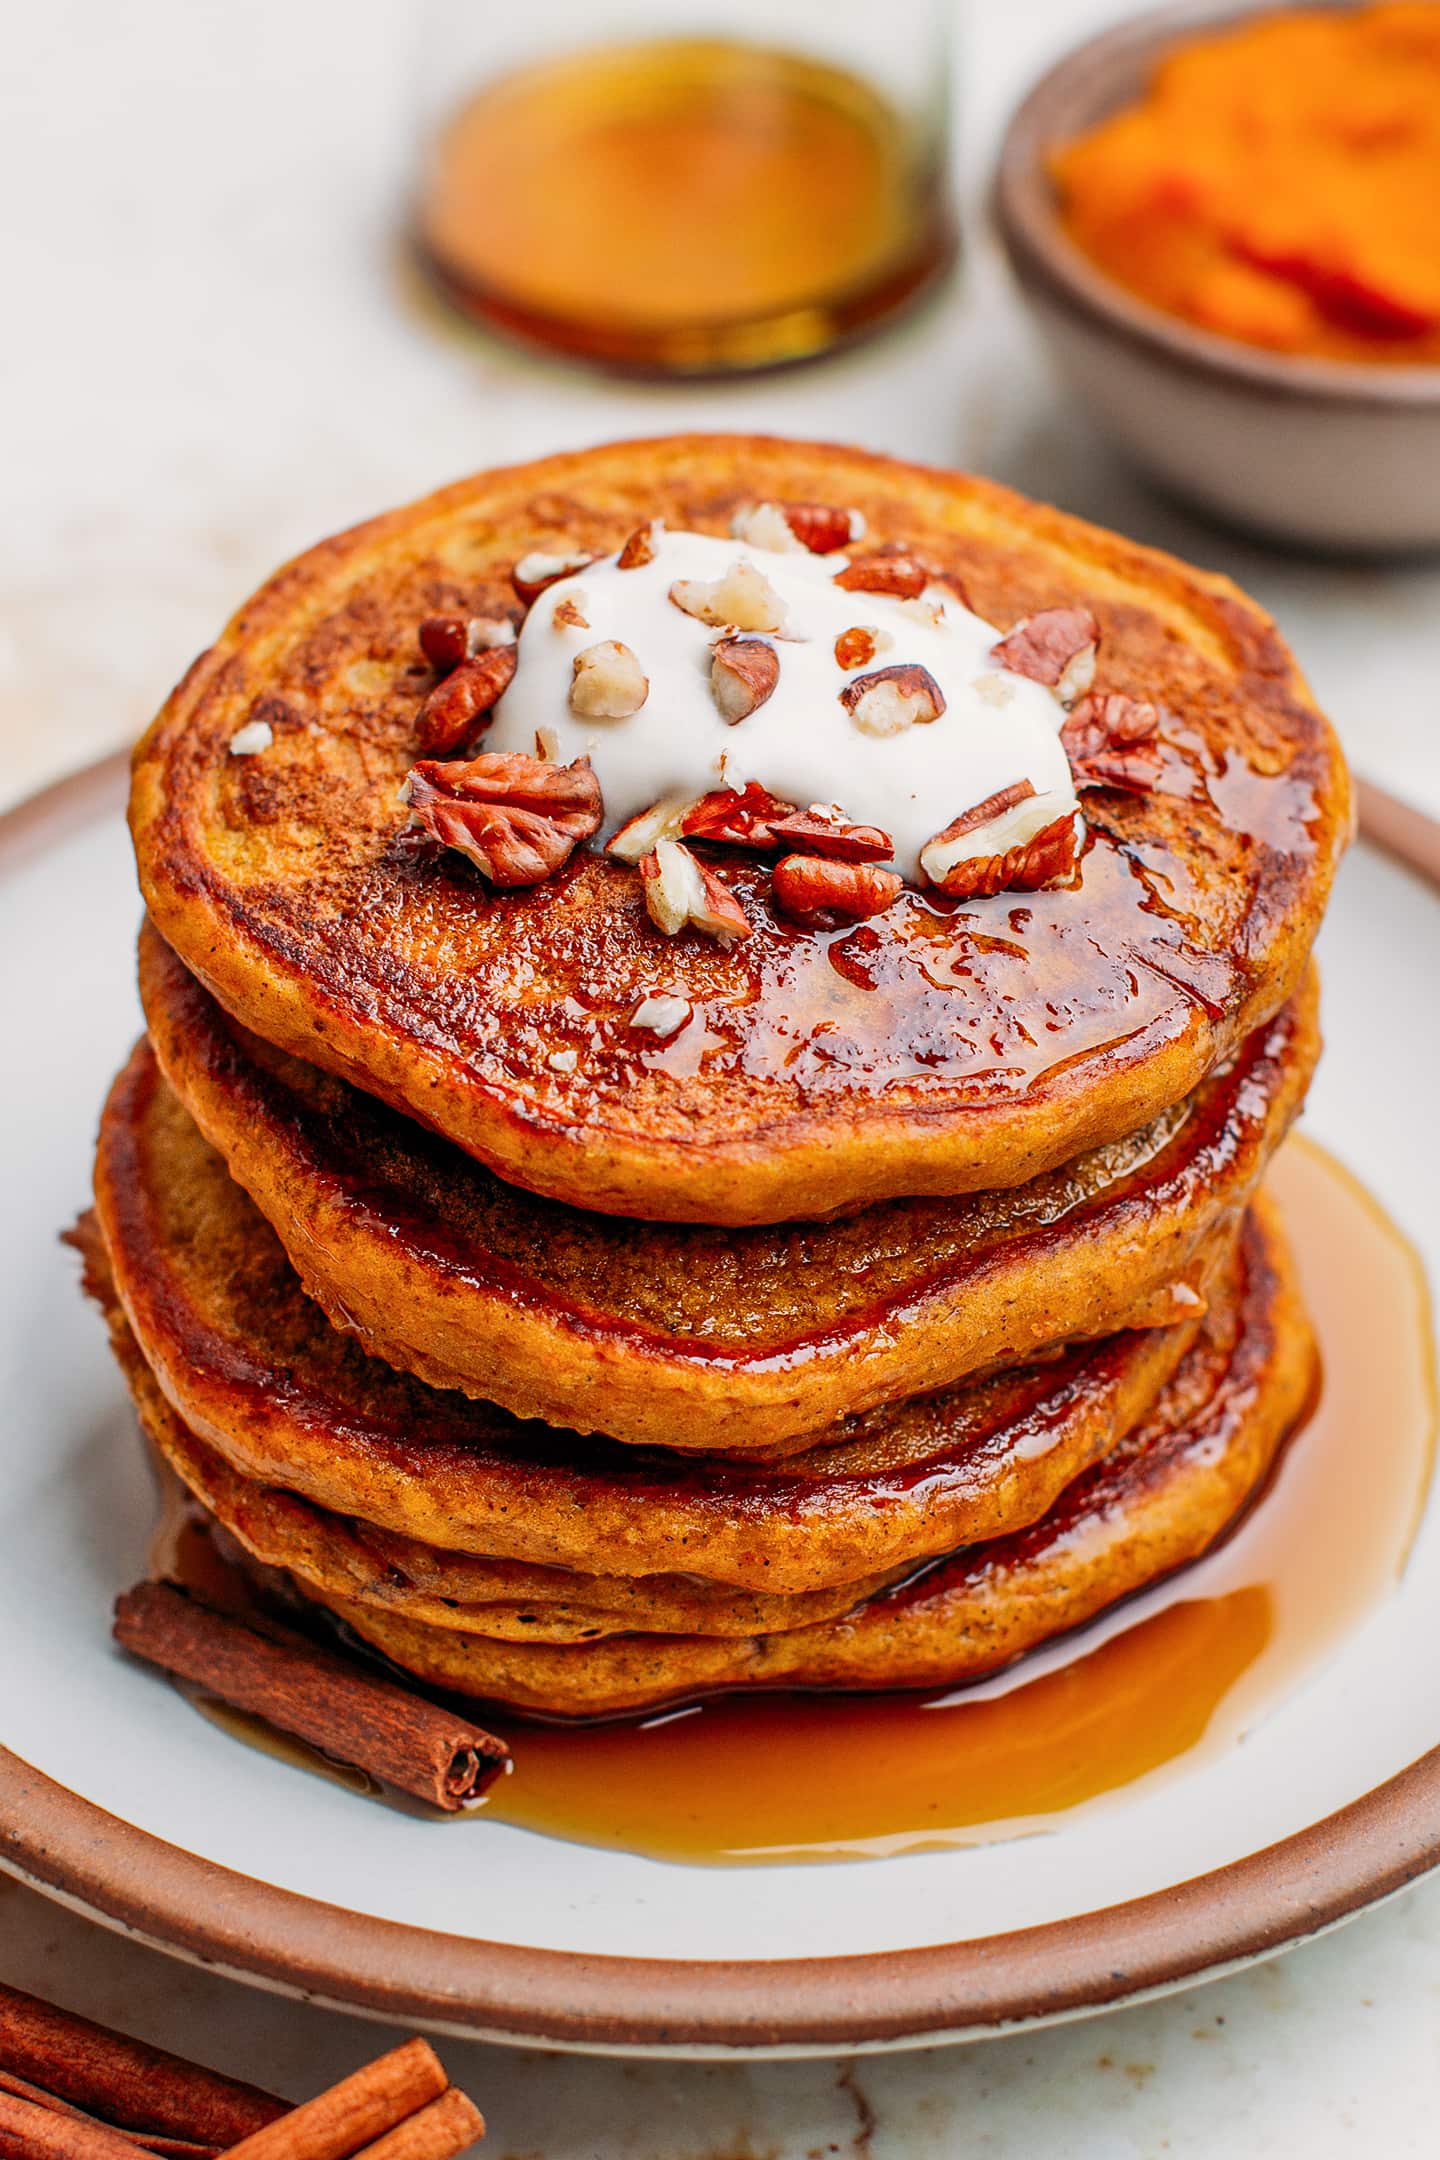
x,y
800,1777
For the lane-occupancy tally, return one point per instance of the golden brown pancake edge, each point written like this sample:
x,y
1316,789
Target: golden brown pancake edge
x,y
749,1341
255,1370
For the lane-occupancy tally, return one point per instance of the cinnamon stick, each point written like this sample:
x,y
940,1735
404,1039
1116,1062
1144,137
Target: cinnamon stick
x,y
448,2126
318,1695
30,2132
125,2081
354,2113
172,2148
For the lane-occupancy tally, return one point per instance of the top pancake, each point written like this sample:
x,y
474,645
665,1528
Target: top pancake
x,y
938,1048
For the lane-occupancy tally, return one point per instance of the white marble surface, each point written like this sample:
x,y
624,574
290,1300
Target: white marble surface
x,y
212,354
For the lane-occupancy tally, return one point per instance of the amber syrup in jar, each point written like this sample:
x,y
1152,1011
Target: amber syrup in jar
x,y
683,206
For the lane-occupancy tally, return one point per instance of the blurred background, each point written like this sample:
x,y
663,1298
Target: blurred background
x,y
220,346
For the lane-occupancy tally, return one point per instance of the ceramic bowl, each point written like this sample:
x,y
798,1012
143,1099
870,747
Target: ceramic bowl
x,y
1339,456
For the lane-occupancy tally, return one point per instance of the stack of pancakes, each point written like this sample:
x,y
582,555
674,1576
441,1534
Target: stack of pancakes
x,y
911,1305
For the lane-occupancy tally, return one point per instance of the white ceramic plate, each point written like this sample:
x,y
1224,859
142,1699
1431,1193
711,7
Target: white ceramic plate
x,y
116,1796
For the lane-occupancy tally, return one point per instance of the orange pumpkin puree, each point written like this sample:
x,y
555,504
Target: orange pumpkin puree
x,y
1280,184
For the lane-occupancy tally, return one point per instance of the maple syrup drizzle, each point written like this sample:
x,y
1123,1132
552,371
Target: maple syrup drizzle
x,y
1174,1676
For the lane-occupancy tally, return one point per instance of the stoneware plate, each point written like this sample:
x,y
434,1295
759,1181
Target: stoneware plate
x,y
116,1797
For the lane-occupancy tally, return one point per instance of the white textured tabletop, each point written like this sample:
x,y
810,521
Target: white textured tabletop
x,y
213,353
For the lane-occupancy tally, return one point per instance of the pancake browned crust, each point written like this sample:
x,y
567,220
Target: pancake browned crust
x,y
939,1048
685,1336
1154,1504
254,1369
345,1557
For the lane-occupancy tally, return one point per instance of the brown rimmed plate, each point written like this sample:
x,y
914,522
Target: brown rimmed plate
x,y
117,1799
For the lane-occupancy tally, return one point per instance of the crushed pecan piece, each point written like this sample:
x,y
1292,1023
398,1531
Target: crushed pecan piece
x,y
516,818
858,647
736,817
888,570
566,614
765,525
607,682
1014,840
638,835
825,830
447,640
1110,742
680,890
663,1014
743,674
819,527
639,549
456,707
1045,859
1055,647
893,699
817,889
743,599
535,571
985,813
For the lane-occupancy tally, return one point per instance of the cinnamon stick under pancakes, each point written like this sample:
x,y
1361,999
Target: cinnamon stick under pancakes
x,y
355,2113
129,2083
317,1695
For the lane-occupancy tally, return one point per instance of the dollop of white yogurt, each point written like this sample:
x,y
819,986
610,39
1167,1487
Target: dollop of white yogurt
x,y
802,744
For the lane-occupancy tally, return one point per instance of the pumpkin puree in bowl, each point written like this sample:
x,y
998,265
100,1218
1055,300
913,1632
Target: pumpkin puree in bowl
x,y
1278,183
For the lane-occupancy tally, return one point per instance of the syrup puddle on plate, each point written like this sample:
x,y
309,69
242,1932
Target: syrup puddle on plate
x,y
1170,1679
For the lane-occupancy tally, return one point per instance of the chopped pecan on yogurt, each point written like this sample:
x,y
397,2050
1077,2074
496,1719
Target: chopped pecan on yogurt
x,y
743,675
535,571
817,889
457,706
892,699
889,570
639,549
742,599
1110,741
787,526
517,818
857,647
1015,840
1056,647
607,682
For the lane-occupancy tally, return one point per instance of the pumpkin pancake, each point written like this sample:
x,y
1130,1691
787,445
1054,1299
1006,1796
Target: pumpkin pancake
x,y
346,1557
1157,1501
688,1337
939,1048
255,1371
